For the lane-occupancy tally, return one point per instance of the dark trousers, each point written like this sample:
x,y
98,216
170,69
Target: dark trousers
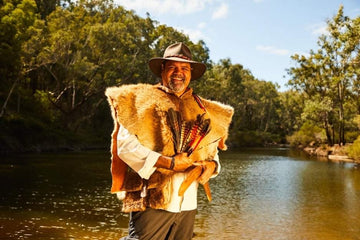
x,y
153,224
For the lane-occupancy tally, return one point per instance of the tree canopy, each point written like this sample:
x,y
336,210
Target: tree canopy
x,y
58,57
329,78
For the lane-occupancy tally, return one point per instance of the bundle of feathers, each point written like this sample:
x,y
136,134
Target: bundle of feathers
x,y
187,136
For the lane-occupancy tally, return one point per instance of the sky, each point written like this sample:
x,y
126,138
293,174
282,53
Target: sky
x,y
261,35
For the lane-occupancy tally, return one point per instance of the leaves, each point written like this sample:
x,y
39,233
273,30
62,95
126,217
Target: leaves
x,y
59,56
328,76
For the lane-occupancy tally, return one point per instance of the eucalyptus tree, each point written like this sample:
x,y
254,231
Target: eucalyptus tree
x,y
88,46
256,102
328,76
313,79
45,7
81,51
17,23
260,101
223,82
289,111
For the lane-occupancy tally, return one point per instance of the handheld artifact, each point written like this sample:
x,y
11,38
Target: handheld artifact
x,y
187,136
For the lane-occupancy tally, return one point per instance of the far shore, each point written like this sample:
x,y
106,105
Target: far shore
x,y
334,153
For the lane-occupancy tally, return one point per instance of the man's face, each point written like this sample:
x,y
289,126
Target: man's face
x,y
176,76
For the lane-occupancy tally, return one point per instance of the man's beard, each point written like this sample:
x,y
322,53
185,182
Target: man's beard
x,y
178,86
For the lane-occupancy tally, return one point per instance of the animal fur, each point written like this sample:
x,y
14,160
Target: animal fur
x,y
142,110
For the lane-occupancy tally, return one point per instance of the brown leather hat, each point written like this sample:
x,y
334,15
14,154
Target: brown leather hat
x,y
178,52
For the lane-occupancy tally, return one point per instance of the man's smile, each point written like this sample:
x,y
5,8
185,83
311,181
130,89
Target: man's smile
x,y
177,79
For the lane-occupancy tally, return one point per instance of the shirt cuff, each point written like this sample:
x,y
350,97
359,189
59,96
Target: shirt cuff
x,y
148,169
218,166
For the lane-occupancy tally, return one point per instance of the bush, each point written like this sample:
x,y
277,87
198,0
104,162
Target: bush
x,y
19,134
354,149
351,136
308,133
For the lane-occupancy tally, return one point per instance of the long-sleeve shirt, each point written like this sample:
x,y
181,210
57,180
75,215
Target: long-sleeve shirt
x,y
142,160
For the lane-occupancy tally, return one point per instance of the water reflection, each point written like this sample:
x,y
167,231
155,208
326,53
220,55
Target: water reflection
x,y
59,197
260,194
280,195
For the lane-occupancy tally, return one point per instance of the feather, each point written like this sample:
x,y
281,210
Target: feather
x,y
185,131
193,134
187,136
203,130
174,118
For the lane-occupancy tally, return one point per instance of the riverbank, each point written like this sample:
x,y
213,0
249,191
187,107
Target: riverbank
x,y
334,153
30,141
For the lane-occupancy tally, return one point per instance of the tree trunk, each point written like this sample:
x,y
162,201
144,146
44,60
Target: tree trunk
x,y
341,114
3,109
328,134
73,95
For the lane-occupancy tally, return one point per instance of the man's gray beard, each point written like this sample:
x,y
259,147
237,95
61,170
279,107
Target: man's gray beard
x,y
176,89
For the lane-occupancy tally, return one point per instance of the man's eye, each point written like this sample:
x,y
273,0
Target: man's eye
x,y
186,69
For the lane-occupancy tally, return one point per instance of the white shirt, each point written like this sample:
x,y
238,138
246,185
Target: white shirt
x,y
142,160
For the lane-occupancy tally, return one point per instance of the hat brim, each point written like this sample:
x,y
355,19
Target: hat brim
x,y
198,69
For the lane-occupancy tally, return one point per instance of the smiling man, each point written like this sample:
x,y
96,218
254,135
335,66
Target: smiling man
x,y
147,170
176,76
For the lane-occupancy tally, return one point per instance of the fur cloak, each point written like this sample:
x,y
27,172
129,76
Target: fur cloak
x,y
142,110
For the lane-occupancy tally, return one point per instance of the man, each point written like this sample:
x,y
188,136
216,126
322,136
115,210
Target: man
x,y
147,171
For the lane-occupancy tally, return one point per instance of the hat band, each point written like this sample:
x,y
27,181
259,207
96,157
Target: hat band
x,y
179,56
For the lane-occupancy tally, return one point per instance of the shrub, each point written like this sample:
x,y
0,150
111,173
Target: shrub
x,y
351,136
308,133
354,149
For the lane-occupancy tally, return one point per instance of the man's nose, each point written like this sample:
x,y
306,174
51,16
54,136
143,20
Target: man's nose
x,y
178,70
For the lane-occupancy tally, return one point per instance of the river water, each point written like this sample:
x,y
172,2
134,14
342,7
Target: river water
x,y
259,194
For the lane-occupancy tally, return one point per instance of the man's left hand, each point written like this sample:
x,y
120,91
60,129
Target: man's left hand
x,y
208,170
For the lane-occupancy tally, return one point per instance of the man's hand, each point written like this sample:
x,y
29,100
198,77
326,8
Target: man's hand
x,y
182,162
178,163
208,170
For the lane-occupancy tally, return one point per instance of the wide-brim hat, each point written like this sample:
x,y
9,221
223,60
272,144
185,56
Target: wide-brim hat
x,y
178,52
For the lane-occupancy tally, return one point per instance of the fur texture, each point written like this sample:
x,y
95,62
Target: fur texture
x,y
141,109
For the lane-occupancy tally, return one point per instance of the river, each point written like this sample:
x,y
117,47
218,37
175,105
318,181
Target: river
x,y
260,194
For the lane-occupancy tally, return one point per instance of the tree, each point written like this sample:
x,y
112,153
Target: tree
x,y
17,21
330,74
290,110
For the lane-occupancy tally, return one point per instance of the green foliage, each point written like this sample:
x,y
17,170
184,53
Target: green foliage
x,y
64,58
57,58
354,149
16,18
356,121
45,7
290,110
255,102
351,136
255,139
329,77
20,133
307,134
